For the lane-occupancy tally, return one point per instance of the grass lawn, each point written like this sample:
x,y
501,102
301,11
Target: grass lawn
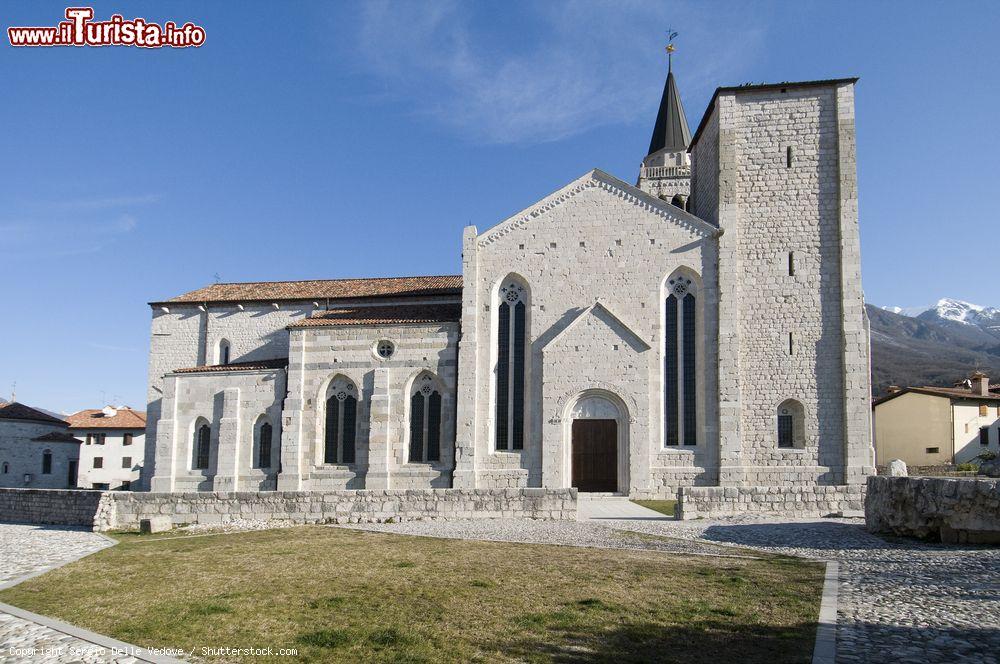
x,y
661,506
343,595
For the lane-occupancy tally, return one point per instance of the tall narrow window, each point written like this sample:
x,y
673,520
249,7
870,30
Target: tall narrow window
x,y
223,352
791,424
425,421
680,363
984,435
689,339
202,446
788,157
791,263
341,422
791,344
670,386
264,446
511,363
46,462
784,431
6,467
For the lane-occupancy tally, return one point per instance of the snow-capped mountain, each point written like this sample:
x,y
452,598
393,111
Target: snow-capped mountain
x,y
964,312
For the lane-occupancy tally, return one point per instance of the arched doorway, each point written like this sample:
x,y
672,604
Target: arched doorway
x,y
598,459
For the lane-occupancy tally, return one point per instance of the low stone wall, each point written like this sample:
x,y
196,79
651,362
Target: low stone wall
x,y
57,507
946,509
112,510
793,501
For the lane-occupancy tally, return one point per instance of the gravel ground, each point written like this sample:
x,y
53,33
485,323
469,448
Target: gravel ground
x,y
26,549
900,600
566,533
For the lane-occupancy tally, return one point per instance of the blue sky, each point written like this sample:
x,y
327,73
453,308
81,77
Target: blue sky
x,y
325,140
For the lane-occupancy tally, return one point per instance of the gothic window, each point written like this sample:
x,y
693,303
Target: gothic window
x,y
202,446
47,462
223,352
264,433
680,364
425,421
341,421
511,348
791,424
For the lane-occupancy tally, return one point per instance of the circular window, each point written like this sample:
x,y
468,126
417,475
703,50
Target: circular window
x,y
385,349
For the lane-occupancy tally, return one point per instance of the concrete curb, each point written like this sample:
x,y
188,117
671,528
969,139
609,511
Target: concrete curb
x,y
120,648
825,650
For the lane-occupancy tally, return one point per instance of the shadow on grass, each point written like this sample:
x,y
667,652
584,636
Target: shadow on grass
x,y
555,638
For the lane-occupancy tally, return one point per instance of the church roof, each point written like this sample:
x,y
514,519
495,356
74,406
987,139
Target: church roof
x,y
671,128
384,315
18,411
322,289
760,87
253,365
97,418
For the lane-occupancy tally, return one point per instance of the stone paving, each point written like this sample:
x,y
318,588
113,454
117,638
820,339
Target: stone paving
x,y
900,600
27,549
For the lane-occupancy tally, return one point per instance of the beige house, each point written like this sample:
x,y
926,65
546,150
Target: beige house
x,y
114,445
929,426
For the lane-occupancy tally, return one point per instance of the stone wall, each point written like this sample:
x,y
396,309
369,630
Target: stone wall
x,y
951,510
21,456
786,501
56,507
114,510
597,240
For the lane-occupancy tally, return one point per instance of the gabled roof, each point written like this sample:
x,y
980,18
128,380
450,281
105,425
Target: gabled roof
x,y
598,178
96,418
945,392
383,315
760,87
322,289
255,365
57,437
18,411
671,128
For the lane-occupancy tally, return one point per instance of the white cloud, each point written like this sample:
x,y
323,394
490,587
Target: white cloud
x,y
579,65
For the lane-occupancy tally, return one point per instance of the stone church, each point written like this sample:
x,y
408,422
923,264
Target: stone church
x,y
703,327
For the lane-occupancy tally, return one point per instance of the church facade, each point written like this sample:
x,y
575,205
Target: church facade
x,y
704,327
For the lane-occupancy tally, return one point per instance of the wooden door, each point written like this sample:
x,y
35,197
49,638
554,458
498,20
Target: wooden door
x,y
595,455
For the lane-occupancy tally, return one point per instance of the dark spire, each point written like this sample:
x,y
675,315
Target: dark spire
x,y
671,128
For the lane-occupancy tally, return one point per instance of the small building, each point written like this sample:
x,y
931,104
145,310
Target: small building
x,y
37,450
114,444
931,426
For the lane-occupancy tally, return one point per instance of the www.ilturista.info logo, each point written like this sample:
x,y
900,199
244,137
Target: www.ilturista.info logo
x,y
80,30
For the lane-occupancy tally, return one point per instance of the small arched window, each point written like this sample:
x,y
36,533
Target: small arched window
x,y
6,467
341,421
512,333
264,445
425,421
677,201
202,446
223,357
47,462
791,424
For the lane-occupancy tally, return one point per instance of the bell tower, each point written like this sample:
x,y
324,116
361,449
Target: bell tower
x,y
666,170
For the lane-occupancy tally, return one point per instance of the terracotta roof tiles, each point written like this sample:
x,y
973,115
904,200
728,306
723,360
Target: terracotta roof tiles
x,y
277,363
322,289
386,315
57,437
96,418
